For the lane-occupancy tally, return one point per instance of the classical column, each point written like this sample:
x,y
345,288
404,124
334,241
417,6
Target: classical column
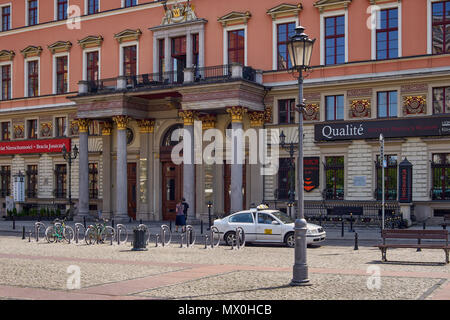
x,y
146,128
188,162
83,193
121,214
257,181
106,161
238,158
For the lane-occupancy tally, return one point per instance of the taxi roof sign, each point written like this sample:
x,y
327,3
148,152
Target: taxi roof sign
x,y
262,207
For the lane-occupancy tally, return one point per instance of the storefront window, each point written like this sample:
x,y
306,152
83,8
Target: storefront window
x,y
334,175
440,168
93,181
32,181
286,178
390,178
60,181
6,131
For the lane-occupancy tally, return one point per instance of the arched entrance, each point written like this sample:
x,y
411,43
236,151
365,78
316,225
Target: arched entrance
x,y
172,176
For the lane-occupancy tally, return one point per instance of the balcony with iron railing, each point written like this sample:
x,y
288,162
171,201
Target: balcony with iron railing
x,y
169,79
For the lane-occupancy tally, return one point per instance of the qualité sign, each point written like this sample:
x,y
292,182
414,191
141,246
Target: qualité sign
x,y
395,128
34,146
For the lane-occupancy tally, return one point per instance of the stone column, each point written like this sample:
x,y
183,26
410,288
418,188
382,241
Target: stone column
x,y
146,128
83,193
188,163
121,214
238,158
106,160
257,181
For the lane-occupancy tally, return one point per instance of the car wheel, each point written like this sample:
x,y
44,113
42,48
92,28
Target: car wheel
x,y
230,238
289,239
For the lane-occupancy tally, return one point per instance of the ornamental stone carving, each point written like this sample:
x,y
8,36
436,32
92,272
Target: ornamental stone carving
x,y
178,13
268,114
146,125
311,112
74,129
121,122
46,129
83,125
257,118
107,128
236,113
19,131
208,121
188,117
360,108
414,105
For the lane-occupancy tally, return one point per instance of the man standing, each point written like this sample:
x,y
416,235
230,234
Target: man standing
x,y
185,208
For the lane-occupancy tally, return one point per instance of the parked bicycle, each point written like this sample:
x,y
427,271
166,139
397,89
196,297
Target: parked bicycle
x,y
99,233
59,231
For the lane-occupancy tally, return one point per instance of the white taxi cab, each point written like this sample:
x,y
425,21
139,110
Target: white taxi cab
x,y
264,225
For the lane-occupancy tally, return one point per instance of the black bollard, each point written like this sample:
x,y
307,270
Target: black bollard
x,y
14,223
201,226
351,223
84,222
112,223
424,225
29,237
342,229
419,242
23,233
170,225
140,221
356,241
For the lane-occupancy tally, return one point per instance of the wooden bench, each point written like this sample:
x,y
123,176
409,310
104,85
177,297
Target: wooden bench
x,y
414,234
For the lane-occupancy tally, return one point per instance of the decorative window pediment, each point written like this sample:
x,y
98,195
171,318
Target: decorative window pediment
x,y
235,18
331,4
284,10
60,46
7,55
32,51
91,41
128,35
373,2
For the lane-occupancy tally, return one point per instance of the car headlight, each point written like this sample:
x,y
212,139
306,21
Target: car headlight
x,y
309,231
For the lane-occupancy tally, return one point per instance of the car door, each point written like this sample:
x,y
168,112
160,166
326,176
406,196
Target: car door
x,y
268,228
246,221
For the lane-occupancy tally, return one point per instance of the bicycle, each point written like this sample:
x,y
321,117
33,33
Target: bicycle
x,y
59,231
99,233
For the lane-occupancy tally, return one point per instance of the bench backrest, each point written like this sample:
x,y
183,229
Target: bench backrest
x,y
414,234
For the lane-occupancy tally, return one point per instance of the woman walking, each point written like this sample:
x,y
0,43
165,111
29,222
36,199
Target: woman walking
x,y
180,218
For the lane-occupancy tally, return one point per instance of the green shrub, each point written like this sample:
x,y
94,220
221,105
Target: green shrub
x,y
14,212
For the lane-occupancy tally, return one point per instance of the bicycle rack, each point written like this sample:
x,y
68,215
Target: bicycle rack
x,y
240,239
78,226
213,231
156,239
119,229
37,228
165,230
190,236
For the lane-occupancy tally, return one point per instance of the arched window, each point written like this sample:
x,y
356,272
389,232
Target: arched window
x,y
167,140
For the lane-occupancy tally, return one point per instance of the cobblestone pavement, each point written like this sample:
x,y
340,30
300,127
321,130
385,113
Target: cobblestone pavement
x,y
30,270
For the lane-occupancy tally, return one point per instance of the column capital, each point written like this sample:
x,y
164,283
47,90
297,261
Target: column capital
x,y
257,118
236,113
107,128
188,116
208,121
83,125
146,125
121,122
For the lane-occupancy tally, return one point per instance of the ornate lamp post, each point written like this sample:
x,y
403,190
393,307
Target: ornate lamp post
x,y
300,50
69,156
291,148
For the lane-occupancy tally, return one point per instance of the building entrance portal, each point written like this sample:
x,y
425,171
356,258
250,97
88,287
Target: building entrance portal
x,y
172,188
131,174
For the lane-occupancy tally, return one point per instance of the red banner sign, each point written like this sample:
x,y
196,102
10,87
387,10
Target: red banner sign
x,y
34,146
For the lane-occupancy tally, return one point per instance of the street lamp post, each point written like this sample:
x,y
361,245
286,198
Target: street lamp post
x,y
382,179
300,51
291,148
69,156
209,214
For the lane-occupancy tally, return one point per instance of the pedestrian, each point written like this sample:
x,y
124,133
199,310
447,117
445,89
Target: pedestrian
x,y
185,208
180,220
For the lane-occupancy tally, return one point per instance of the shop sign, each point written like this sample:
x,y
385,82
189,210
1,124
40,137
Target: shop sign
x,y
34,146
394,128
311,173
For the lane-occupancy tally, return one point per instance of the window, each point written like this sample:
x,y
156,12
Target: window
x,y
6,82
387,34
60,181
92,66
335,40
6,18
162,61
390,178
284,32
441,100
441,27
129,61
246,217
286,179
5,176
264,218
62,9
93,6
32,129
33,78
334,175
387,104
93,181
195,49
179,58
61,75
440,168
6,131
32,12
32,181
130,3
60,127
236,46
334,107
286,111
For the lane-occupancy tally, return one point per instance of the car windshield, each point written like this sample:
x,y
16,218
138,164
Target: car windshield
x,y
283,217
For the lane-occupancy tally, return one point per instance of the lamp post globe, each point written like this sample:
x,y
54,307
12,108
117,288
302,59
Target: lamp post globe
x,y
300,49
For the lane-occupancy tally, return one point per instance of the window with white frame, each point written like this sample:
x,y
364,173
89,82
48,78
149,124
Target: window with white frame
x,y
387,35
129,3
61,9
92,6
61,74
32,78
334,37
6,81
235,45
32,12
